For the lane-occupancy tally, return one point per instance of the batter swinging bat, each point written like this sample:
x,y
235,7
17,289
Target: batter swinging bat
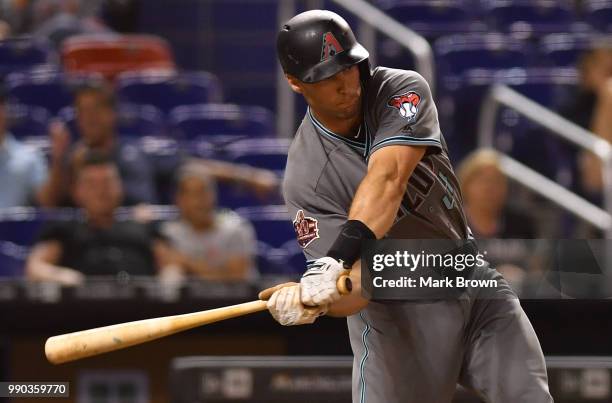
x,y
77,345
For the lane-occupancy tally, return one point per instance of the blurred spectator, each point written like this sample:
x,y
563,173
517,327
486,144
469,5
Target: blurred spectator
x,y
211,244
16,15
99,245
591,109
485,196
23,171
96,119
5,30
56,20
507,231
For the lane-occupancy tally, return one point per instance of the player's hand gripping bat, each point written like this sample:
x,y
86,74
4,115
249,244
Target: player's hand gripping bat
x,y
77,345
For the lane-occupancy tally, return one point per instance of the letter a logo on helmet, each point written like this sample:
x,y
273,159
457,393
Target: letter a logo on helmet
x,y
331,46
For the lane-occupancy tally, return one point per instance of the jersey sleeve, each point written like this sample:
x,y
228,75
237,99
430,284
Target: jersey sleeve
x,y
406,113
316,227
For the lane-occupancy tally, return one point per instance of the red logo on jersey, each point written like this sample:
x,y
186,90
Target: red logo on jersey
x,y
331,46
306,229
407,104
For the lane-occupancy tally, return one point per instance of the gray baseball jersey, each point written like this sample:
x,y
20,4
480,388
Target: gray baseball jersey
x,y
324,169
410,351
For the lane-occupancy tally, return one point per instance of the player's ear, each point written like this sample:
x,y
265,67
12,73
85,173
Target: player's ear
x,y
294,83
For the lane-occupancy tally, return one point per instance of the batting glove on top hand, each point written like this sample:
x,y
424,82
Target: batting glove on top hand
x,y
318,284
286,308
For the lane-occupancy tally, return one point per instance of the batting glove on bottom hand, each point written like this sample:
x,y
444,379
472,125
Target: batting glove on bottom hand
x,y
319,282
286,308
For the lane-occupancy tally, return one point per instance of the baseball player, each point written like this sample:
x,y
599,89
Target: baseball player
x,y
369,161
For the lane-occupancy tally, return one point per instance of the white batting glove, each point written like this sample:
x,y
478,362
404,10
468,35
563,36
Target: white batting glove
x,y
319,282
286,308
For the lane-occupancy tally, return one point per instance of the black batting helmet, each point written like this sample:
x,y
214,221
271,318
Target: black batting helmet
x,y
317,44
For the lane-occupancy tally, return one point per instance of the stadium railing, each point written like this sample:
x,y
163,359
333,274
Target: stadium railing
x,y
562,128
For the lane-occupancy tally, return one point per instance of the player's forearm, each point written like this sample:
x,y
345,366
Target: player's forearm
x,y
377,200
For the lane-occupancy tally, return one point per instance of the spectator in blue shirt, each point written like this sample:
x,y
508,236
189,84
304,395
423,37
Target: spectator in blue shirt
x,y
23,171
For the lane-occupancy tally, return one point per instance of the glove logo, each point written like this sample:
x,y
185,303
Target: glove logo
x,y
306,229
407,104
331,46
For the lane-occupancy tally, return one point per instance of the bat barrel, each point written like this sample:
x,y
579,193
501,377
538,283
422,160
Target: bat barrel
x,y
86,343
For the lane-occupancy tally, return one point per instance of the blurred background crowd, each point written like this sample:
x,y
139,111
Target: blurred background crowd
x,y
142,148
141,138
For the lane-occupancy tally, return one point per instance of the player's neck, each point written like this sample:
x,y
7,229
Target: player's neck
x,y
347,127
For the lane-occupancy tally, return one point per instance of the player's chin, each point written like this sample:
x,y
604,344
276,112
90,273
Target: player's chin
x,y
347,111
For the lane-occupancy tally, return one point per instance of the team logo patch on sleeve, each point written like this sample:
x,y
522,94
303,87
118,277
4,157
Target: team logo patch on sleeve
x,y
407,104
306,229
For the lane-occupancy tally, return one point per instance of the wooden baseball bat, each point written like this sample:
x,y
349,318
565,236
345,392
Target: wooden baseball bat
x,y
86,343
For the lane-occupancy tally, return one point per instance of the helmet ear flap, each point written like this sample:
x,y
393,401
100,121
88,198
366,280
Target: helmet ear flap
x,y
365,70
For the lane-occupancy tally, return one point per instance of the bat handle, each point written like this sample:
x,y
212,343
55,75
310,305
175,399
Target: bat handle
x,y
344,284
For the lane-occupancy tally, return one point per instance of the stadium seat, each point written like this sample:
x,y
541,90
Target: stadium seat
x,y
112,54
458,53
565,49
273,229
167,90
23,53
28,121
514,134
429,18
527,16
45,88
193,121
134,121
262,153
12,259
21,225
598,13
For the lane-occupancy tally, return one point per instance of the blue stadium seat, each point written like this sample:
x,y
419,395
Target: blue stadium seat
x,y
458,53
514,134
28,121
295,259
133,121
262,153
21,225
193,121
528,16
272,224
12,259
430,18
598,13
48,89
565,49
274,230
23,53
168,90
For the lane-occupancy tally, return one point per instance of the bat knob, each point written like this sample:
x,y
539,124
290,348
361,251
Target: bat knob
x,y
344,284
